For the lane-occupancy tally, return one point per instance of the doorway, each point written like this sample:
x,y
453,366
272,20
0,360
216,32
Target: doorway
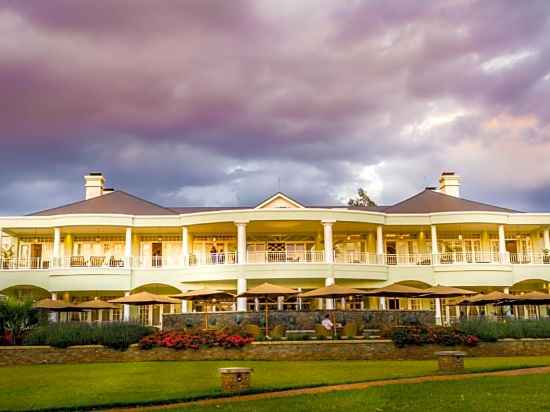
x,y
36,255
156,254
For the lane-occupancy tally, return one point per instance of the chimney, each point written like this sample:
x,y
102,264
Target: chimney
x,y
95,183
449,183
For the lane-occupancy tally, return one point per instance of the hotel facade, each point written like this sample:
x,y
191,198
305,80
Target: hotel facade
x,y
113,243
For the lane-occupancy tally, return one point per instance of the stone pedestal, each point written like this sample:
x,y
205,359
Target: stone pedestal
x,y
235,379
451,361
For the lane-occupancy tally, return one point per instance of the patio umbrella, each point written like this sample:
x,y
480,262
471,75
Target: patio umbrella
x,y
332,292
56,306
267,290
532,298
145,298
396,290
486,299
96,304
439,292
205,295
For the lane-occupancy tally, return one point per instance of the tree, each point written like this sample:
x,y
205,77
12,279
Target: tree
x,y
362,199
16,317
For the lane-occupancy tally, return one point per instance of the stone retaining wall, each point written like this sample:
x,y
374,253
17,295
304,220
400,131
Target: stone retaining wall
x,y
300,350
297,319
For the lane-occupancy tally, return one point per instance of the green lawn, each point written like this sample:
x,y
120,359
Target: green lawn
x,y
491,394
58,386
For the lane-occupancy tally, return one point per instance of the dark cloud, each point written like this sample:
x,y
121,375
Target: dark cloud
x,y
216,102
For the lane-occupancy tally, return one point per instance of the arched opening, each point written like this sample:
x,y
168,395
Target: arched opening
x,y
23,292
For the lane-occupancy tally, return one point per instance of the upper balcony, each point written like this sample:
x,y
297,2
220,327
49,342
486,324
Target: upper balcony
x,y
273,258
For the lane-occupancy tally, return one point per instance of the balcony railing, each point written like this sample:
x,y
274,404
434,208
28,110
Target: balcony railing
x,y
286,257
223,258
231,258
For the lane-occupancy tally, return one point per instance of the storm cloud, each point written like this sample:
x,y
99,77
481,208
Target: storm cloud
x,y
224,102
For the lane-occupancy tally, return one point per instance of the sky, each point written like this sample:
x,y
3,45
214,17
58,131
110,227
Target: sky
x,y
216,102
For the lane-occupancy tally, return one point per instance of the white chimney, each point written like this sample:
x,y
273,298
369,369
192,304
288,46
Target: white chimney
x,y
95,182
449,183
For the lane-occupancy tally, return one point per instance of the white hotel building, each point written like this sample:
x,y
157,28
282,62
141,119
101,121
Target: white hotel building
x,y
113,243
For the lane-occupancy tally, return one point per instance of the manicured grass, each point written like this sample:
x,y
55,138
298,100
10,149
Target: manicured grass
x,y
490,394
59,386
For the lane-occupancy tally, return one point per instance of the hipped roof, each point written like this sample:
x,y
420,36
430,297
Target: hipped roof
x,y
119,202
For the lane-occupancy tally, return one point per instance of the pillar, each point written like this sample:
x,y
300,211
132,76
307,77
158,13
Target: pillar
x,y
68,246
280,302
126,310
53,317
128,248
241,244
502,245
382,303
438,320
150,314
241,288
184,306
379,245
56,246
185,245
546,239
327,239
435,249
329,303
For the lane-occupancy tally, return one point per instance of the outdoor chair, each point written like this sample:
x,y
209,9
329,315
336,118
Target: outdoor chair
x,y
350,330
78,261
321,332
278,332
253,330
97,261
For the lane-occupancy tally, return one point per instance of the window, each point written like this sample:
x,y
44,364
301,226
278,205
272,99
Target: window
x,y
393,303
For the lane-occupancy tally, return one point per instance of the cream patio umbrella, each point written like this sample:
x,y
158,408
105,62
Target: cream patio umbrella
x,y
56,306
267,290
332,292
207,296
145,298
396,290
438,292
96,304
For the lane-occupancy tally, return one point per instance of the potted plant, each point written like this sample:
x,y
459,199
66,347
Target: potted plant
x,y
6,255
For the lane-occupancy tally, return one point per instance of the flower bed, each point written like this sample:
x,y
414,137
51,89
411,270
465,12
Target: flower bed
x,y
195,340
424,335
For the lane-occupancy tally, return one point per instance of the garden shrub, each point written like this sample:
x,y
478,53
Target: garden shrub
x,y
113,335
181,340
16,318
423,335
490,330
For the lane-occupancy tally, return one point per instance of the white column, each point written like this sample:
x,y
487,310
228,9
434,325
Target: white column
x,y
327,239
329,302
435,251
502,244
241,288
546,237
161,312
438,311
185,245
56,246
128,248
150,314
53,316
241,243
280,302
382,303
379,245
447,315
184,306
126,310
